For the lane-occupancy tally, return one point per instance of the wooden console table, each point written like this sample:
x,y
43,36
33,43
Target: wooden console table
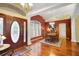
x,y
51,34
52,37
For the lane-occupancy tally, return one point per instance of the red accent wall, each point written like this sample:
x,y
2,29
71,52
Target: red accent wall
x,y
68,27
8,20
46,26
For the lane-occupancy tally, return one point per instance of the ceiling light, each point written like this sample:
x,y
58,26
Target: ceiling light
x,y
31,4
23,4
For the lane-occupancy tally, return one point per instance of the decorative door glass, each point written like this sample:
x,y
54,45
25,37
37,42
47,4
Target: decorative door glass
x,y
15,31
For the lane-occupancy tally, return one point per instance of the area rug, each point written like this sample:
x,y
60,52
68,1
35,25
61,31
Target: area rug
x,y
22,52
56,44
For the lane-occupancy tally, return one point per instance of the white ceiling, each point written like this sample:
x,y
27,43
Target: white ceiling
x,y
37,6
49,11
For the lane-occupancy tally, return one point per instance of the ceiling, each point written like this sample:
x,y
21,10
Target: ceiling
x,y
37,6
14,9
50,11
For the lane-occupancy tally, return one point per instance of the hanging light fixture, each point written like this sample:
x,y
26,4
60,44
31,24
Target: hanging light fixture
x,y
23,4
31,4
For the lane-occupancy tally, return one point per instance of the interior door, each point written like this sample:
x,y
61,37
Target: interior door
x,y
62,30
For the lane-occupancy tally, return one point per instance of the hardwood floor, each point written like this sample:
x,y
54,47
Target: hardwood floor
x,y
40,49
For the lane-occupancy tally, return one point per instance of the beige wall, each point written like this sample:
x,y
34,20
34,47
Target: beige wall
x,y
76,18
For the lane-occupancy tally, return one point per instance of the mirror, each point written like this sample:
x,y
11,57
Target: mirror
x,y
52,26
15,32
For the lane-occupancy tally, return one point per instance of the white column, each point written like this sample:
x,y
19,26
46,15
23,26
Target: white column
x,y
73,32
28,31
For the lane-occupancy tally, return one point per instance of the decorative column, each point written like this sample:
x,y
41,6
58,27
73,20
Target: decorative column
x,y
73,31
28,30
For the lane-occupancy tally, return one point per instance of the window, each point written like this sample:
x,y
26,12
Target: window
x,y
1,26
1,30
35,29
24,31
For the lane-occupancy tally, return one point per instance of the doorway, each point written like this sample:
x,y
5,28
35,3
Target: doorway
x,y
62,30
